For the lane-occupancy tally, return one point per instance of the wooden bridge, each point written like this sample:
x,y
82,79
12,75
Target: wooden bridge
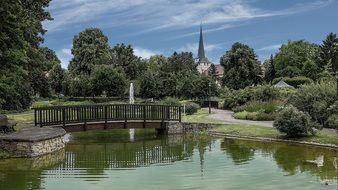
x,y
107,116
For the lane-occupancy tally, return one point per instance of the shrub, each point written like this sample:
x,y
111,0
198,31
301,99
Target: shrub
x,y
293,122
239,108
265,107
264,93
170,101
191,108
332,120
294,81
315,99
255,116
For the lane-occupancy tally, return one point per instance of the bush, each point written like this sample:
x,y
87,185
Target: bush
x,y
315,99
170,101
293,122
265,107
255,116
332,120
239,108
294,81
191,108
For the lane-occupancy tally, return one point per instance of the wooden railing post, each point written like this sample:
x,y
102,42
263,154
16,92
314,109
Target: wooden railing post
x,y
63,117
85,119
40,117
144,116
179,114
105,117
35,118
125,115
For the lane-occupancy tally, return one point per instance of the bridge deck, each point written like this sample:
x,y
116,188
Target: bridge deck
x,y
107,116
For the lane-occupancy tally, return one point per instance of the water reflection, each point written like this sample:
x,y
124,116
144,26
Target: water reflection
x,y
291,158
96,158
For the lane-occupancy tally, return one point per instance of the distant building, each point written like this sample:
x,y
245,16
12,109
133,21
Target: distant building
x,y
202,62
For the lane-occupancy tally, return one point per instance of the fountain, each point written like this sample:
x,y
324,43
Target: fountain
x,y
131,101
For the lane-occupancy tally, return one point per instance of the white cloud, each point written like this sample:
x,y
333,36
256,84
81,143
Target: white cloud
x,y
145,53
270,47
163,14
65,55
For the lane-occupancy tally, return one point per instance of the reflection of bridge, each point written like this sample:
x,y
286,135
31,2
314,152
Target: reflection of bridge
x,y
109,116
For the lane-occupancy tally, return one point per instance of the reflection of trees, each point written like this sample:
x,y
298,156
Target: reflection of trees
x,y
238,152
289,157
293,158
26,173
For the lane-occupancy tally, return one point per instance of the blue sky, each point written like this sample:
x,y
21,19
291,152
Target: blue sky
x,y
164,26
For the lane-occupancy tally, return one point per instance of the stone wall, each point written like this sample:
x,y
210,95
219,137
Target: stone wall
x,y
33,148
179,128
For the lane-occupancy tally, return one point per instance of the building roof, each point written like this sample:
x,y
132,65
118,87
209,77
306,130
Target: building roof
x,y
201,53
282,84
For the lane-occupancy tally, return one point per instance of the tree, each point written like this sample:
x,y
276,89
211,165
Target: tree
x,y
270,72
241,67
40,84
155,62
329,50
106,78
90,47
180,63
123,57
56,78
21,32
150,85
290,59
212,72
310,70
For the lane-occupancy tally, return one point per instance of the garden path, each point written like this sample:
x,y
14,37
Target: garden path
x,y
227,117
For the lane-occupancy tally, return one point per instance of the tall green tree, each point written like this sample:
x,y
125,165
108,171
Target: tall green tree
x,y
106,78
56,78
90,47
270,72
291,58
329,51
21,33
241,67
180,62
212,72
40,83
150,85
123,57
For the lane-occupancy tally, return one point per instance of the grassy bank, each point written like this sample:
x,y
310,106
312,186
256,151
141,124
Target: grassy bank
x,y
323,137
201,116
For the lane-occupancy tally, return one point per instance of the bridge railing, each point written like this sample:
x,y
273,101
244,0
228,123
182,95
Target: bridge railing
x,y
62,115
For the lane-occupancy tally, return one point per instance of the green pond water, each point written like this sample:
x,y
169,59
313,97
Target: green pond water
x,y
109,160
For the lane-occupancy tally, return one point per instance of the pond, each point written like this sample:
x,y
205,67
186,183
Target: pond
x,y
109,160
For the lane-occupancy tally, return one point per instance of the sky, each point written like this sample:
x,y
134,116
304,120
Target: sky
x,y
164,26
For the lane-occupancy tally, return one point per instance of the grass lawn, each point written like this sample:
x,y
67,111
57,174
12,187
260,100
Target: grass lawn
x,y
323,137
201,116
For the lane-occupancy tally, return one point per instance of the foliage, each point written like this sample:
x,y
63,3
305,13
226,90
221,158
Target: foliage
x,y
291,58
123,57
106,78
80,86
56,77
295,81
315,99
332,121
40,84
170,101
292,122
90,47
329,51
241,67
150,85
266,107
191,108
21,33
212,72
270,71
255,116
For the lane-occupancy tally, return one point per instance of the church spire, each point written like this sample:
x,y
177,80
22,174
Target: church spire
x,y
201,54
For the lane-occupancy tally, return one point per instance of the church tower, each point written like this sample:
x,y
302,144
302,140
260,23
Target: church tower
x,y
202,62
